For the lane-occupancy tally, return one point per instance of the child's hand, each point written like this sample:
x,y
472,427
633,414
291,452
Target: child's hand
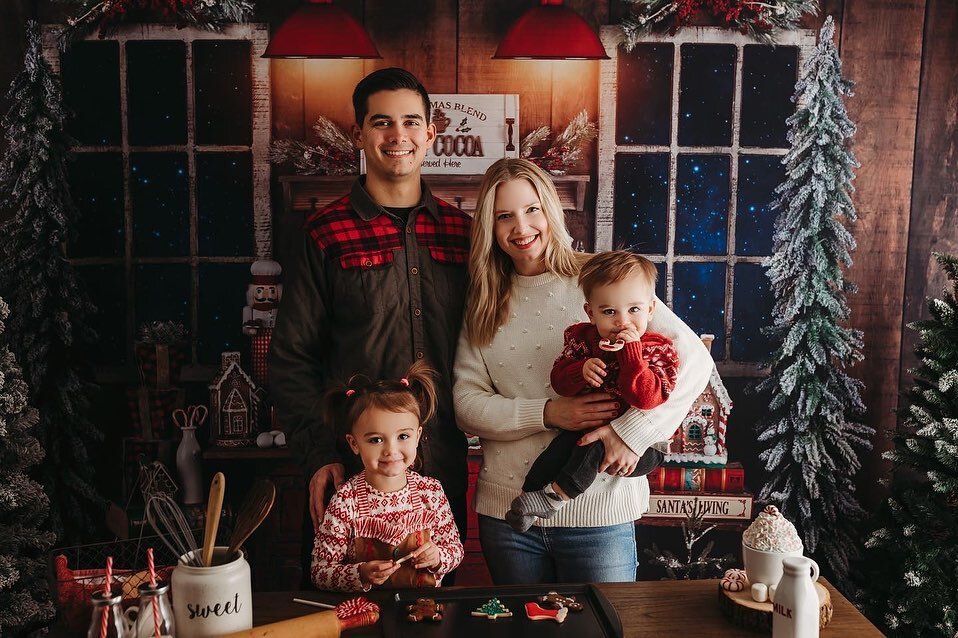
x,y
425,556
593,372
376,572
629,335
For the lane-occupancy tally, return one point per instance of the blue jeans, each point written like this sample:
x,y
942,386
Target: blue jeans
x,y
558,554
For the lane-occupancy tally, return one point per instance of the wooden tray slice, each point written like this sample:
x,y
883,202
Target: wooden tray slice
x,y
741,610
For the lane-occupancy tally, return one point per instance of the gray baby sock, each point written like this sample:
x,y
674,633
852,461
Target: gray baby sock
x,y
528,506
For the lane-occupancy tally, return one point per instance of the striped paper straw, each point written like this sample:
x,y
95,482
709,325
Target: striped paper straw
x,y
156,603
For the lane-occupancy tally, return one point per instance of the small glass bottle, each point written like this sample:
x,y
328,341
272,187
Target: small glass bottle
x,y
146,621
107,614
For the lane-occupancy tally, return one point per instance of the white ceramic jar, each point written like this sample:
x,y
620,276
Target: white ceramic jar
x,y
795,609
209,601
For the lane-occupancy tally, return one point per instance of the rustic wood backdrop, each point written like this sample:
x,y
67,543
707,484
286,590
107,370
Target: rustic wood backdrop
x,y
901,55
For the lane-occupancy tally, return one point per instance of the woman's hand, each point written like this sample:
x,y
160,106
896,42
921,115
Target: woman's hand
x,y
619,459
580,412
376,572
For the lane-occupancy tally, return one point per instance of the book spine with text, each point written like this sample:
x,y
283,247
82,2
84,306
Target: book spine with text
x,y
724,480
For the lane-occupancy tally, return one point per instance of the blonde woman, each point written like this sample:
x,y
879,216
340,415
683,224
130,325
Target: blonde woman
x,y
522,297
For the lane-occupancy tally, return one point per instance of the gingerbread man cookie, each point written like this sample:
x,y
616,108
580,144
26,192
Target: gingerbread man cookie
x,y
424,609
555,600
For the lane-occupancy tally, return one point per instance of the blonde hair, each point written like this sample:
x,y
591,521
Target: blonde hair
x,y
609,267
415,393
491,269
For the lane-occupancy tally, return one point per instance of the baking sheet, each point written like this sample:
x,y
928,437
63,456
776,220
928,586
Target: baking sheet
x,y
598,619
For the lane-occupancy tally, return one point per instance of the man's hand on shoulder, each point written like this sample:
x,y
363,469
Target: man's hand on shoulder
x,y
333,475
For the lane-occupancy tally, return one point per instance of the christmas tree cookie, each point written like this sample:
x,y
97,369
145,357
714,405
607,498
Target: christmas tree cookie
x,y
493,609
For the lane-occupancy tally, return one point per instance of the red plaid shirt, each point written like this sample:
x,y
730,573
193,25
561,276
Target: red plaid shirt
x,y
370,293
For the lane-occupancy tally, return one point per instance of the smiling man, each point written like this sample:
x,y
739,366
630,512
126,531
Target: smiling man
x,y
379,283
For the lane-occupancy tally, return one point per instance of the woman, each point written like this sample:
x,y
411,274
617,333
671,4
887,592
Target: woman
x,y
523,295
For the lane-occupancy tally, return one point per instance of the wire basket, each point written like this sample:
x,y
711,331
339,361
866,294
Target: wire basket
x,y
76,572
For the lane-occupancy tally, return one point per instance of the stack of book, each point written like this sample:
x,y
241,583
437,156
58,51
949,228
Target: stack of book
x,y
716,492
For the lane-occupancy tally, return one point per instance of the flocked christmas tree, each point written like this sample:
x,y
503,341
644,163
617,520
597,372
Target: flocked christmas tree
x,y
48,306
24,507
810,436
912,559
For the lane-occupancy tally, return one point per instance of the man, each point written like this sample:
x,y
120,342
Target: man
x,y
380,281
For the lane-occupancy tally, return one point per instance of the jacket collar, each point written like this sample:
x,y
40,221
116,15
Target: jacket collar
x,y
367,208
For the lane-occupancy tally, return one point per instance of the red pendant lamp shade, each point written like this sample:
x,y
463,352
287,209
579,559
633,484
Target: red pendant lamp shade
x,y
551,31
320,29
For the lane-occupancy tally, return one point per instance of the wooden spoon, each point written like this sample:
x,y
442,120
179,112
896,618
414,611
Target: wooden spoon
x,y
258,503
213,508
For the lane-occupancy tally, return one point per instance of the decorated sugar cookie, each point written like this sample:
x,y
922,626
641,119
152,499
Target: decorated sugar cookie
x,y
610,346
493,609
535,612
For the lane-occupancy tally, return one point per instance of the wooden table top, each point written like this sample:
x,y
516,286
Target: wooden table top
x,y
647,608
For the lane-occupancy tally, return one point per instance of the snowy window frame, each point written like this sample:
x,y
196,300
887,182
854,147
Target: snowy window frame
x,y
804,40
257,34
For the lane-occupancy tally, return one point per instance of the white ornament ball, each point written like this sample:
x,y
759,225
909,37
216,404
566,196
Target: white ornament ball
x,y
265,439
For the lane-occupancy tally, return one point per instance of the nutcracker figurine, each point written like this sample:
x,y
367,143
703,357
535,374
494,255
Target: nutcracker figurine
x,y
262,297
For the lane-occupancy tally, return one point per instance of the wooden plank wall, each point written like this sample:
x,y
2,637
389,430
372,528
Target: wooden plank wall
x,y
881,45
934,194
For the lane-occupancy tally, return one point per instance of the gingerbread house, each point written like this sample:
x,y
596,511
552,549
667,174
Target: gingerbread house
x,y
700,440
234,404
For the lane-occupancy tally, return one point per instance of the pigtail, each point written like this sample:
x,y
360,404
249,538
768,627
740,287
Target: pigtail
x,y
422,385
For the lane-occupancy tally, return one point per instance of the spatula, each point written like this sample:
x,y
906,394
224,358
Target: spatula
x,y
258,503
213,508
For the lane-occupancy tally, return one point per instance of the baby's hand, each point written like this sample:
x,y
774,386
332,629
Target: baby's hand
x,y
593,372
376,572
425,557
629,335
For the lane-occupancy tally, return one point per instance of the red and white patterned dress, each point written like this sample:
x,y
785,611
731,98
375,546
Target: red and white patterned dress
x,y
359,511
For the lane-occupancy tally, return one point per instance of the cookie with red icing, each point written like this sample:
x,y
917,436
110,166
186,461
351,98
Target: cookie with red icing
x,y
535,612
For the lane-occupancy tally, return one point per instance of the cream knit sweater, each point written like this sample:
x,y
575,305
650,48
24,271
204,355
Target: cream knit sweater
x,y
501,390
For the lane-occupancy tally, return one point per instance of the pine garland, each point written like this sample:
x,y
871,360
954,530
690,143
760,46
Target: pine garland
x,y
49,308
107,16
812,435
333,154
566,150
912,558
24,595
761,19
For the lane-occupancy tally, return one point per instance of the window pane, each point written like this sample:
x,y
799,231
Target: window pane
x,y
640,204
107,290
758,175
223,88
768,82
698,298
706,82
225,203
643,113
96,184
222,296
156,100
162,293
701,205
91,91
752,303
660,280
160,191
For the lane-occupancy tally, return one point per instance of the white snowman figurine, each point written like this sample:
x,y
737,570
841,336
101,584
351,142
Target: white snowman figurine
x,y
262,297
710,447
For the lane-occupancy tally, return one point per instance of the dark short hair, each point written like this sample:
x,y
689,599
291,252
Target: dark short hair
x,y
613,266
391,79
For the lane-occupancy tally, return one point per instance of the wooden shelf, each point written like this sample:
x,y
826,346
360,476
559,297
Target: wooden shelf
x,y
304,193
215,453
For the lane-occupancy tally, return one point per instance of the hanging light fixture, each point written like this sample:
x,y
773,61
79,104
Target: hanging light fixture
x,y
551,31
320,29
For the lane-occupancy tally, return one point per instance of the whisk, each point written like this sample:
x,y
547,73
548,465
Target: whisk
x,y
166,517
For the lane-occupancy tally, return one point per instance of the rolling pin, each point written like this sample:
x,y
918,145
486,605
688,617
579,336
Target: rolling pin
x,y
323,624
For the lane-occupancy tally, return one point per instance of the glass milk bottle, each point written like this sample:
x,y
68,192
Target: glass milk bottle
x,y
107,619
147,619
796,607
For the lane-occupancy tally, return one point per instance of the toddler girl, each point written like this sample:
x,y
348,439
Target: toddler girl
x,y
386,525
